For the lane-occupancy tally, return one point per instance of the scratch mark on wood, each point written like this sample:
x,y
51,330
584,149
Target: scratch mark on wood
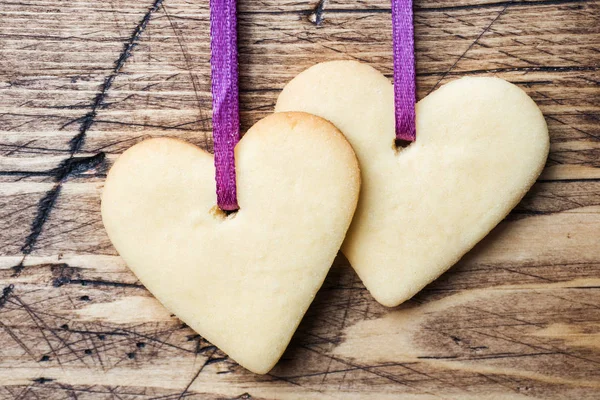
x,y
69,165
189,67
206,362
487,28
88,120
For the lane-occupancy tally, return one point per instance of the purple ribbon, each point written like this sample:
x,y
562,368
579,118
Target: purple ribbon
x,y
225,92
404,69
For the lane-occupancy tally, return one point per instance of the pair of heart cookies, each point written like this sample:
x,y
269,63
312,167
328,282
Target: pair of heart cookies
x,y
245,280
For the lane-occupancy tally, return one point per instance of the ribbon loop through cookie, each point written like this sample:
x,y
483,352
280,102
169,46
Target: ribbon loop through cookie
x,y
404,69
225,90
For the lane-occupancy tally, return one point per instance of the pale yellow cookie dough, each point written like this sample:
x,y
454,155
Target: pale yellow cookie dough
x,y
243,281
481,144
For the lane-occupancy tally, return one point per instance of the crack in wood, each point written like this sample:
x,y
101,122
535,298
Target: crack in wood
x,y
475,6
77,165
72,164
5,293
61,173
42,380
557,69
94,282
387,10
27,173
318,15
88,120
44,207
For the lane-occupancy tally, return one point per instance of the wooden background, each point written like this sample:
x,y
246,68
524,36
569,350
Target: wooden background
x,y
82,80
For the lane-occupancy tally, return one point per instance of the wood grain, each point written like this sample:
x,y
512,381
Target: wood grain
x,y
81,81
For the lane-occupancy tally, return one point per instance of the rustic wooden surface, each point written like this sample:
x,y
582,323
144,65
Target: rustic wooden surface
x,y
82,80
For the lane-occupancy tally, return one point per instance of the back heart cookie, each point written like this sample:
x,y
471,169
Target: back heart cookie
x,y
242,281
481,144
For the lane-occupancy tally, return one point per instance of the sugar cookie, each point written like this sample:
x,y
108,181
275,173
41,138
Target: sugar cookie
x,y
481,144
245,280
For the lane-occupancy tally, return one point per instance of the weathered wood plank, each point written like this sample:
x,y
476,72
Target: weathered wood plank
x,y
169,72
82,81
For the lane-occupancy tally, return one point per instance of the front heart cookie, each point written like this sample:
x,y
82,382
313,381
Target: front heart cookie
x,y
481,144
242,281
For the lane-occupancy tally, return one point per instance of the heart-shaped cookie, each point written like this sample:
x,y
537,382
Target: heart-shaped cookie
x,y
242,281
481,144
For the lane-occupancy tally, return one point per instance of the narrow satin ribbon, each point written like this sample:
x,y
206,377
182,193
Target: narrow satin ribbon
x,y
225,92
404,69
